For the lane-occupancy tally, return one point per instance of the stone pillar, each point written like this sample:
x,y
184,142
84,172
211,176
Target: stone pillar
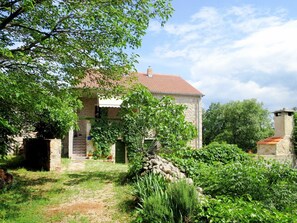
x,y
70,142
89,142
113,152
55,154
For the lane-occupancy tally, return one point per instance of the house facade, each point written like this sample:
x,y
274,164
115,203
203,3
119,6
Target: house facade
x,y
78,144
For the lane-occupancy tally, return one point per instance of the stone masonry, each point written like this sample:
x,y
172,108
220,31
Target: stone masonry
x,y
157,165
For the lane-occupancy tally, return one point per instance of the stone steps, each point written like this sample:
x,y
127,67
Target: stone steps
x,y
79,147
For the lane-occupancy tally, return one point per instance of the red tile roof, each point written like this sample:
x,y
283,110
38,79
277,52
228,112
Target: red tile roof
x,y
270,141
157,83
168,84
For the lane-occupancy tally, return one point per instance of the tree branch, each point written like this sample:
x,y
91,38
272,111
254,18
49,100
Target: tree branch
x,y
6,21
53,32
8,4
15,14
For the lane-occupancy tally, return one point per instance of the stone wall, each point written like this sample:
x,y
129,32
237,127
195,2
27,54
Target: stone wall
x,y
88,111
43,154
55,154
157,165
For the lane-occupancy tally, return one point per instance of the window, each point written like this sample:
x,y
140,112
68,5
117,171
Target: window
x,y
100,112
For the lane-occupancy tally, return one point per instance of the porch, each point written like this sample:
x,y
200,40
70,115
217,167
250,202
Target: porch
x,y
78,143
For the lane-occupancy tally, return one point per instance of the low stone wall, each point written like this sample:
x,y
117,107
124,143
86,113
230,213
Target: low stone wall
x,y
158,165
43,154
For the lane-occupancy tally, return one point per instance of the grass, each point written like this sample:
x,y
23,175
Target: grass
x,y
92,193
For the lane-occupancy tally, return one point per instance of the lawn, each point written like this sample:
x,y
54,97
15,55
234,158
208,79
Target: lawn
x,y
83,191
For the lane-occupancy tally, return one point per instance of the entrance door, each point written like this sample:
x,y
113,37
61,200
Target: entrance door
x,y
120,153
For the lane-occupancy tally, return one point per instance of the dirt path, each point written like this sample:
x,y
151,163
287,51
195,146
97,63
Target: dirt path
x,y
97,209
76,165
90,204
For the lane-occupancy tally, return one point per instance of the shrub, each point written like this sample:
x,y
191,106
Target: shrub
x,y
148,185
135,167
183,200
273,184
213,153
190,161
156,209
225,209
163,202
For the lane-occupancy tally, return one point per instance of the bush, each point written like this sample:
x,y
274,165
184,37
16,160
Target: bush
x,y
224,170
135,167
190,160
148,185
273,184
183,200
156,209
213,153
162,202
225,209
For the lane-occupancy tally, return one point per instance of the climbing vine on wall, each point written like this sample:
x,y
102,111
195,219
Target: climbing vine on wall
x,y
104,133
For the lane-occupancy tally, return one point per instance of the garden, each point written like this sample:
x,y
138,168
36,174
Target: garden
x,y
236,187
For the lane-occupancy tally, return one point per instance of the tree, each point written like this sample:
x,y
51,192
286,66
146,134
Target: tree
x,y
47,46
237,122
144,116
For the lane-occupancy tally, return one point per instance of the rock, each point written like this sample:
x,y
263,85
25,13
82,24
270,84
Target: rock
x,y
158,165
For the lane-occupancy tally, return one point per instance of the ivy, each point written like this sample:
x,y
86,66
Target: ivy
x,y
143,117
104,133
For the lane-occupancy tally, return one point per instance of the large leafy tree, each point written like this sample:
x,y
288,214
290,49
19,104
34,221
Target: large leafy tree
x,y
47,46
237,122
144,116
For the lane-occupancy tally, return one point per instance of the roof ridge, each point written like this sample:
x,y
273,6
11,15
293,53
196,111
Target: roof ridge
x,y
173,75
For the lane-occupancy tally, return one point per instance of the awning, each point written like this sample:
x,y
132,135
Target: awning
x,y
110,103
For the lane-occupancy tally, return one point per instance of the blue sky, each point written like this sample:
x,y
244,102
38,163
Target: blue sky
x,y
229,49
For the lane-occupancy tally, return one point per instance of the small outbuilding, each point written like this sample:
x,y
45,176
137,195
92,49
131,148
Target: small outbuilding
x,y
280,146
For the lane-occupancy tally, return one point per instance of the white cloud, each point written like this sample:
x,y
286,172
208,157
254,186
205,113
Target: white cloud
x,y
238,53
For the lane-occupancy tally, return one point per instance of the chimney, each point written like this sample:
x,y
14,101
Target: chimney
x,y
149,72
283,122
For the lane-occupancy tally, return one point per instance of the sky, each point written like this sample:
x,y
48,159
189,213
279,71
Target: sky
x,y
229,49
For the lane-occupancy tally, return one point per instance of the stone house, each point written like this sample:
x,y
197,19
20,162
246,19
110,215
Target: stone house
x,y
79,144
279,146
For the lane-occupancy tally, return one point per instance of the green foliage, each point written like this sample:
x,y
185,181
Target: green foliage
x,y
213,153
82,29
155,209
40,58
238,122
29,106
163,202
183,201
148,185
236,210
145,116
135,167
57,115
191,160
256,183
137,112
104,133
274,185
